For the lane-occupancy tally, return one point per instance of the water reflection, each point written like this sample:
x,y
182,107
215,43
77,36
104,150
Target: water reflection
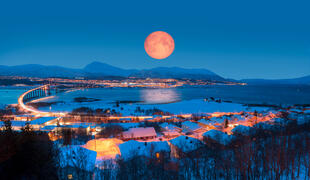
x,y
159,96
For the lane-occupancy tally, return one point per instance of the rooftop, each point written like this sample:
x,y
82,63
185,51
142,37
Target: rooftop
x,y
77,156
218,136
131,148
186,144
191,125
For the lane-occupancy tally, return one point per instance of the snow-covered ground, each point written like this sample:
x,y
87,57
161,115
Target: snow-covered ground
x,y
182,107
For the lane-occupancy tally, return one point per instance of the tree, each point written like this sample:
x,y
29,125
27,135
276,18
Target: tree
x,y
255,115
111,131
28,157
226,122
8,127
27,129
66,134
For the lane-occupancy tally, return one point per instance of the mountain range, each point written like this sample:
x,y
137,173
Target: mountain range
x,y
102,70
99,70
301,80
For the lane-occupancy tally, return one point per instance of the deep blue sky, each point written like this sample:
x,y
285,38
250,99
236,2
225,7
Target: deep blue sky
x,y
235,39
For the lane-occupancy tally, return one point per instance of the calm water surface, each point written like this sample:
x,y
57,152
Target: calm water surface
x,y
279,94
241,94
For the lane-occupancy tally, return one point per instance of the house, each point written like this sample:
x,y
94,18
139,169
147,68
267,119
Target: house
x,y
217,136
170,130
302,119
243,130
169,127
76,162
264,126
307,111
106,148
132,148
203,122
48,128
216,120
171,134
281,121
141,133
184,146
43,121
192,127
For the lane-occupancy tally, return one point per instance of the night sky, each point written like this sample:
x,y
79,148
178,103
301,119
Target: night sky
x,y
235,39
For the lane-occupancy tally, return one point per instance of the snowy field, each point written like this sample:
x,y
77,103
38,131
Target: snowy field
x,y
182,107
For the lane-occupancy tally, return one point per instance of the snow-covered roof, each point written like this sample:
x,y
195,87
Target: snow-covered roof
x,y
203,121
132,148
77,156
281,121
78,125
238,117
186,144
41,120
48,128
171,133
296,110
214,120
302,120
241,129
264,125
168,127
218,136
140,132
190,125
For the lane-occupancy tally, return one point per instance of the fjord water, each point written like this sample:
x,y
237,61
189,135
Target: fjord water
x,y
277,94
9,95
271,94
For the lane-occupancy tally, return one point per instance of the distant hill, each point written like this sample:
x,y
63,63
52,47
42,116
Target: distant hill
x,y
35,70
176,72
102,70
301,80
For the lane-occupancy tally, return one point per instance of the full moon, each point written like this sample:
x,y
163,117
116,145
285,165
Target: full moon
x,y
159,45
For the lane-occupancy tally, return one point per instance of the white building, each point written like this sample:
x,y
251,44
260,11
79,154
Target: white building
x,y
217,136
170,130
191,126
141,133
152,149
184,145
243,130
76,161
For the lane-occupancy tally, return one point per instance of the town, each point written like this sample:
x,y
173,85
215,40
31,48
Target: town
x,y
105,137
110,83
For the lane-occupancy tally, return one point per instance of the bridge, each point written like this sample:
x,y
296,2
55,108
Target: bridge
x,y
41,91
